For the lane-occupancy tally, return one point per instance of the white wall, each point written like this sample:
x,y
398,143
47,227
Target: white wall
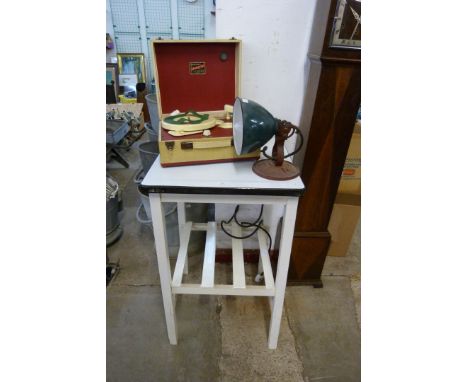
x,y
275,38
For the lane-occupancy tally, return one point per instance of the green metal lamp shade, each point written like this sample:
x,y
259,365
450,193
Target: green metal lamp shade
x,y
253,126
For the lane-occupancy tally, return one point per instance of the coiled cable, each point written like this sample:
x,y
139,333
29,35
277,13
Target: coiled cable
x,y
257,224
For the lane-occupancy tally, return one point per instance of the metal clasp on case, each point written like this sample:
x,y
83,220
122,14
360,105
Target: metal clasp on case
x,y
170,145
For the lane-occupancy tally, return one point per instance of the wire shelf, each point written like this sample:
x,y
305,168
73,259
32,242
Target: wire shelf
x,y
158,20
128,43
125,16
158,17
191,16
188,36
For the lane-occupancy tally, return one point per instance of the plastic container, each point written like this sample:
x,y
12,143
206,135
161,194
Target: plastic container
x,y
169,208
124,99
149,151
143,216
113,229
112,214
152,135
152,103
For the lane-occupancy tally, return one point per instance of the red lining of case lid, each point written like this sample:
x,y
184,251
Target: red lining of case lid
x,y
184,91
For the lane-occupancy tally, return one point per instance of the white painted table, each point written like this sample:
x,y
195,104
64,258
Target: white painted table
x,y
229,183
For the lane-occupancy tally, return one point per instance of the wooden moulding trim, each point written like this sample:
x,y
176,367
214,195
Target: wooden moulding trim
x,y
334,60
224,255
316,283
350,199
312,234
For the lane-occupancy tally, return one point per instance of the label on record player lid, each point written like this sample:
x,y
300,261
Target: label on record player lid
x,y
198,67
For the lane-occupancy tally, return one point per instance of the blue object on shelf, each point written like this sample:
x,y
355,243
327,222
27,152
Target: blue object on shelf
x,y
116,130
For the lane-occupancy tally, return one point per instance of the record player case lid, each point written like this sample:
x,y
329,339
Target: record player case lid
x,y
180,85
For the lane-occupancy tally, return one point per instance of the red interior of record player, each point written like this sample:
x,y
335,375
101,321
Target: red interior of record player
x,y
180,89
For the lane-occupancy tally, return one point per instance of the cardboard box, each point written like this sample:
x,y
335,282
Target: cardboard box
x,y
344,218
351,176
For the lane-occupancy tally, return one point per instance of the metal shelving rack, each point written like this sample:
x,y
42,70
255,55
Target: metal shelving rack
x,y
126,25
191,16
135,21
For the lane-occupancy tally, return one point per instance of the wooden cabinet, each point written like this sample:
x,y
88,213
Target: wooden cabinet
x,y
334,112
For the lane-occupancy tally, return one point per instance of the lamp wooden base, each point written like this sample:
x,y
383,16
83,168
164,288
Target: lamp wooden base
x,y
266,168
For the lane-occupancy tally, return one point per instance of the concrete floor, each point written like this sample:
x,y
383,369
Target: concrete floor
x,y
225,338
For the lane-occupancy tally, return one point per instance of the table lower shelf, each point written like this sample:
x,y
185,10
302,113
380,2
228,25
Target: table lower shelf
x,y
225,290
207,286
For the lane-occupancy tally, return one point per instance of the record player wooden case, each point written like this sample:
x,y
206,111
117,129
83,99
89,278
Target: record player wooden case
x,y
203,76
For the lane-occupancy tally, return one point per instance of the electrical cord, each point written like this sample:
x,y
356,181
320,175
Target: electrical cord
x,y
258,224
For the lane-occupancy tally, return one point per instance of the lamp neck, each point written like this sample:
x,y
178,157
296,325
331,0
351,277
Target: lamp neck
x,y
284,131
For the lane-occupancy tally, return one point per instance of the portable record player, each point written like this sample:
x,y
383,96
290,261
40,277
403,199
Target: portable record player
x,y
196,85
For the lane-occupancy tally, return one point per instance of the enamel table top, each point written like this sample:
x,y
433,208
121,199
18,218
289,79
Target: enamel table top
x,y
234,178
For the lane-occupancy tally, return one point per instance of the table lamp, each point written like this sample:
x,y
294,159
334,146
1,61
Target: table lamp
x,y
253,126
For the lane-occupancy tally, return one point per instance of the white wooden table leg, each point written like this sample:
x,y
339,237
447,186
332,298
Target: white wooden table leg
x,y
181,217
271,216
287,233
159,229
